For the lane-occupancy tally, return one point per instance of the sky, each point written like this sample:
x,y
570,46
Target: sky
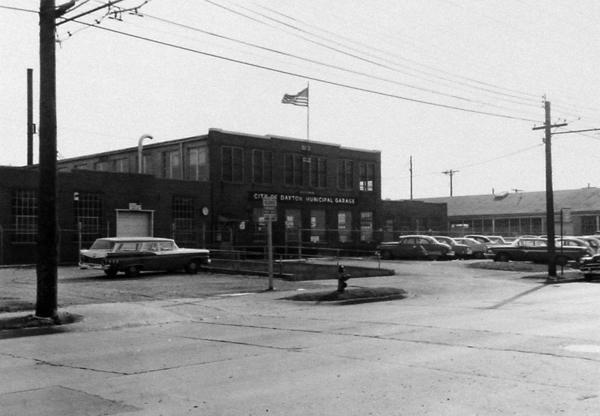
x,y
438,85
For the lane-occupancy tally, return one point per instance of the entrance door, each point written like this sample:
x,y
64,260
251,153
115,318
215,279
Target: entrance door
x,y
135,223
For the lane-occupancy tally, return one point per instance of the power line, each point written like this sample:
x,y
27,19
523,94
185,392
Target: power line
x,y
308,77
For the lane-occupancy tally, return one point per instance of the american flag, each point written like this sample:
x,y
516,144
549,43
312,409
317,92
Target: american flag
x,y
300,99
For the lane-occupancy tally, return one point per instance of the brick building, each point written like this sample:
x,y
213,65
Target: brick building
x,y
327,195
95,204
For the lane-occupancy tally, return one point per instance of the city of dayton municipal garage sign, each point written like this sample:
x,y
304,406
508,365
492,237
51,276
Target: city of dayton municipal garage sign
x,y
309,199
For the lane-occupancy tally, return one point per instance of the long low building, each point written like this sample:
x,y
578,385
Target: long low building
x,y
577,212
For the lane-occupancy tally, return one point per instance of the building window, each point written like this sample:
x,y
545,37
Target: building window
x,y
292,165
366,176
122,165
183,209
345,174
262,167
589,225
101,166
197,164
87,210
232,164
81,166
345,226
317,225
366,226
147,164
171,165
24,214
318,172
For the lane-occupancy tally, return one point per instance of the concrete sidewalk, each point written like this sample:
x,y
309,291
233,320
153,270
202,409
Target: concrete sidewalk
x,y
520,349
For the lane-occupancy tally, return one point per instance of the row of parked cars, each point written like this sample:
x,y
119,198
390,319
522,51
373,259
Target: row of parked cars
x,y
433,248
525,248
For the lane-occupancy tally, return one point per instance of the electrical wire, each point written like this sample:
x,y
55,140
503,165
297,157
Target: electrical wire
x,y
308,77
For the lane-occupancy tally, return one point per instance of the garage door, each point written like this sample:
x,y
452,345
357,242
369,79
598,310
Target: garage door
x,y
135,223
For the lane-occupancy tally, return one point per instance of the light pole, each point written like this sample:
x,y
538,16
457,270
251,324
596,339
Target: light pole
x,y
140,147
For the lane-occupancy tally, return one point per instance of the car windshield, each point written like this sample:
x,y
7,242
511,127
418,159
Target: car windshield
x,y
103,245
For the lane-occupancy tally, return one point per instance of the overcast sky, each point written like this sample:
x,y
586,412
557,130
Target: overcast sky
x,y
458,85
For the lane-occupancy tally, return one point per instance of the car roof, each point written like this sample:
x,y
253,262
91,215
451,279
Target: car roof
x,y
135,239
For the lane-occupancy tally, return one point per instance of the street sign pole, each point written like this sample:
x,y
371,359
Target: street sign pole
x,y
270,251
270,215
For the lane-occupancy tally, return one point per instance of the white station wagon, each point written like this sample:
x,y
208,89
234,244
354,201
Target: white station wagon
x,y
132,255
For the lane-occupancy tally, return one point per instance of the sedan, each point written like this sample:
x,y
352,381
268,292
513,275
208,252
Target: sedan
x,y
477,248
462,251
536,250
415,247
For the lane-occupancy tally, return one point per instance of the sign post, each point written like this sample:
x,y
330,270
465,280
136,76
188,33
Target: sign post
x,y
270,213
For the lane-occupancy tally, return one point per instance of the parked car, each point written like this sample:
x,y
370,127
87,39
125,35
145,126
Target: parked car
x,y
572,242
461,251
594,242
496,239
589,266
134,254
415,247
477,248
536,250
481,238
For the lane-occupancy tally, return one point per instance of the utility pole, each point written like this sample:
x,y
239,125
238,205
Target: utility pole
x,y
451,174
47,245
30,125
411,179
550,231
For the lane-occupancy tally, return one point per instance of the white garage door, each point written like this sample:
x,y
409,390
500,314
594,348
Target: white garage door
x,y
135,223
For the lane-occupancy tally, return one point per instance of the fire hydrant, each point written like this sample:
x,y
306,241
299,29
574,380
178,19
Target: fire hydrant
x,y
342,277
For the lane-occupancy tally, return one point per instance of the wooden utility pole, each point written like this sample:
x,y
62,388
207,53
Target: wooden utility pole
x,y
47,245
30,125
550,231
451,174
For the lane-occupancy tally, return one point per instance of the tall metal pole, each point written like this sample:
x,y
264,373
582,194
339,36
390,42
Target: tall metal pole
x,y
47,246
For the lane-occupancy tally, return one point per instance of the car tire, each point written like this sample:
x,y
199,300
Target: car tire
x,y
192,267
588,276
502,257
479,255
132,271
387,255
110,272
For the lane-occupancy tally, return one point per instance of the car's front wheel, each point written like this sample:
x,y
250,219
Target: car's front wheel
x,y
192,267
387,255
132,271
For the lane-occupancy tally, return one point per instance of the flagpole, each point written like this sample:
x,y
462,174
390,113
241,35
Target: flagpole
x,y
308,113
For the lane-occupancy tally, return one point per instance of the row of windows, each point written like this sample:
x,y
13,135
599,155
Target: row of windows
x,y
170,167
298,170
88,212
319,230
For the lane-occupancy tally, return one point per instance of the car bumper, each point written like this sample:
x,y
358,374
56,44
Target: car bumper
x,y
93,266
